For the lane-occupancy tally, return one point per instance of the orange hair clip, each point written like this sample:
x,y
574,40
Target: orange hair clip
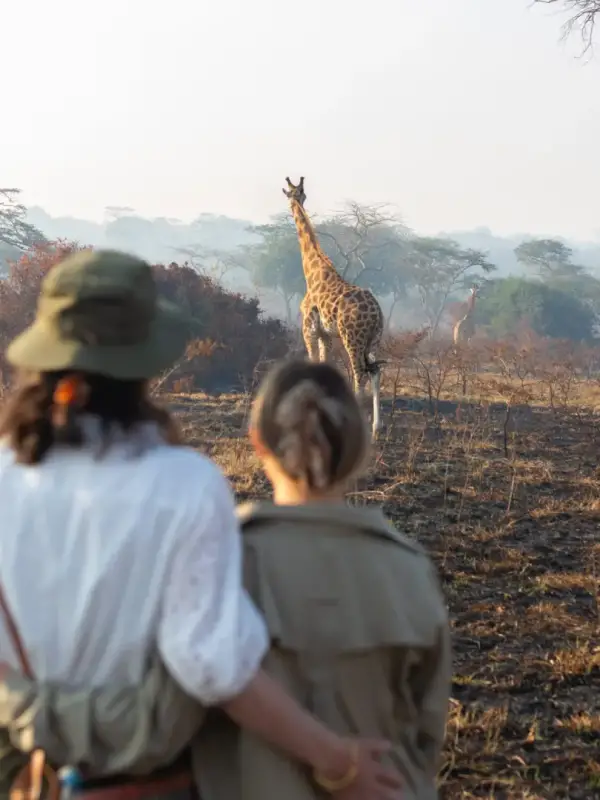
x,y
68,391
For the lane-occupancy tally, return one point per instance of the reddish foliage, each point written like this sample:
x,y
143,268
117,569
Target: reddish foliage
x,y
19,291
232,337
228,337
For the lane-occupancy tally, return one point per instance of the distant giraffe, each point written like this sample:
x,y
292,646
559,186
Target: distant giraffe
x,y
333,307
464,329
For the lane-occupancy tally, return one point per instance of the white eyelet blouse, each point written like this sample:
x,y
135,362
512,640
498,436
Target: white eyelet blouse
x,y
104,559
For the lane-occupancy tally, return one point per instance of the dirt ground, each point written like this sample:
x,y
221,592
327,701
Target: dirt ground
x,y
516,541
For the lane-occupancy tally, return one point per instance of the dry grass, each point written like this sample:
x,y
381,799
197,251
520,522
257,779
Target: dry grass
x,y
517,544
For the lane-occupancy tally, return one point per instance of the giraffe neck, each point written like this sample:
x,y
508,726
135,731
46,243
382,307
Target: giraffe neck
x,y
314,260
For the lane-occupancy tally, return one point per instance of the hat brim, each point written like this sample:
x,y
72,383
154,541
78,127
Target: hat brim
x,y
39,349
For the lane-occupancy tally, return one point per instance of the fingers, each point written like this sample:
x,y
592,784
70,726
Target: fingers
x,y
390,794
385,781
385,775
375,747
389,778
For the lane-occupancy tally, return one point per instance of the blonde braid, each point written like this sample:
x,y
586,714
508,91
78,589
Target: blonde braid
x,y
304,449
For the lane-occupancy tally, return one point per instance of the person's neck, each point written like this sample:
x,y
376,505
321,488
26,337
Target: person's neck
x,y
290,495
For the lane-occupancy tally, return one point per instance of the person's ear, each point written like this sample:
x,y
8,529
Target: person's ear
x,y
257,443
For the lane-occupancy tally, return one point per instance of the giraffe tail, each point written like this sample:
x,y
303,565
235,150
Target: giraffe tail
x,y
373,366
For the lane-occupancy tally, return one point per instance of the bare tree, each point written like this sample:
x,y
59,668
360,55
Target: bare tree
x,y
364,238
582,17
212,263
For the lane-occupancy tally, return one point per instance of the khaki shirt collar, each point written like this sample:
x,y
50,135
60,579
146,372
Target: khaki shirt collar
x,y
328,517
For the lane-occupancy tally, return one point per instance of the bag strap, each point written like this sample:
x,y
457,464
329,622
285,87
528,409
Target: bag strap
x,y
15,636
29,782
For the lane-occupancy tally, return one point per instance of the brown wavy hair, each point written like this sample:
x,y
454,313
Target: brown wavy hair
x,y
308,417
31,423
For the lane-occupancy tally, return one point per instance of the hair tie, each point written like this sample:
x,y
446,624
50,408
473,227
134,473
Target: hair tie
x,y
69,391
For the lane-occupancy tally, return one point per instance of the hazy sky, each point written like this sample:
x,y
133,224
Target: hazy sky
x,y
458,112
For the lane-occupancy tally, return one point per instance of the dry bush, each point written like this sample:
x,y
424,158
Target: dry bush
x,y
228,333
396,350
432,368
19,291
232,334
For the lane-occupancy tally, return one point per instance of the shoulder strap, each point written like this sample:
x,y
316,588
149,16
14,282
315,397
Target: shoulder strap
x,y
14,634
29,782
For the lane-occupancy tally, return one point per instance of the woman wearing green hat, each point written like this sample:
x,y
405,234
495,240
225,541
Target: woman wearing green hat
x,y
118,540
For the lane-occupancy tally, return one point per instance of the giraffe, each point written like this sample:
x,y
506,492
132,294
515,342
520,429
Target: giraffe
x,y
465,327
333,307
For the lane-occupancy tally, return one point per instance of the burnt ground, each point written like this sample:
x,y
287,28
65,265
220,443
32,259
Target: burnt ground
x,y
516,541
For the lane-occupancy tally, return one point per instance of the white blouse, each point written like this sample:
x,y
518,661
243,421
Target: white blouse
x,y
103,560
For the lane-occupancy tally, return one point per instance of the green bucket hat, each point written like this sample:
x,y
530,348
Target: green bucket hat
x,y
98,311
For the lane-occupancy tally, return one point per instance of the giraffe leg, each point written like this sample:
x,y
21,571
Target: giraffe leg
x,y
375,377
360,380
360,376
310,335
324,347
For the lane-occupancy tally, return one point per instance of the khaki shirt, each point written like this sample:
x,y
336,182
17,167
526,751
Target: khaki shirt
x,y
360,637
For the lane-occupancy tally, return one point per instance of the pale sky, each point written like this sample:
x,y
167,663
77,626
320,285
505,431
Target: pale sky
x,y
458,112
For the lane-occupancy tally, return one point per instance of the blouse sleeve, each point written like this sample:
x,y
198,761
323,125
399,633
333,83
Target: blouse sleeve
x,y
211,636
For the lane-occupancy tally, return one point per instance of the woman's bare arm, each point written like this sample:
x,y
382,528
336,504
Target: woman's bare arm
x,y
266,710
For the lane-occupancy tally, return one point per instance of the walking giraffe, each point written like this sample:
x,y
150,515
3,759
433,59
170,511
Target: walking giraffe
x,y
464,329
333,307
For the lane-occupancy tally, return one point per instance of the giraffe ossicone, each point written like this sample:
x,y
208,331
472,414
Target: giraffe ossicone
x,y
333,307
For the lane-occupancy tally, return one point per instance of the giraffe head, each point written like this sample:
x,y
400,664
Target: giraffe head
x,y
295,192
472,295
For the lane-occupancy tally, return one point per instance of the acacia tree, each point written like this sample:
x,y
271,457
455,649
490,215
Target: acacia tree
x,y
15,232
552,261
582,16
550,258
